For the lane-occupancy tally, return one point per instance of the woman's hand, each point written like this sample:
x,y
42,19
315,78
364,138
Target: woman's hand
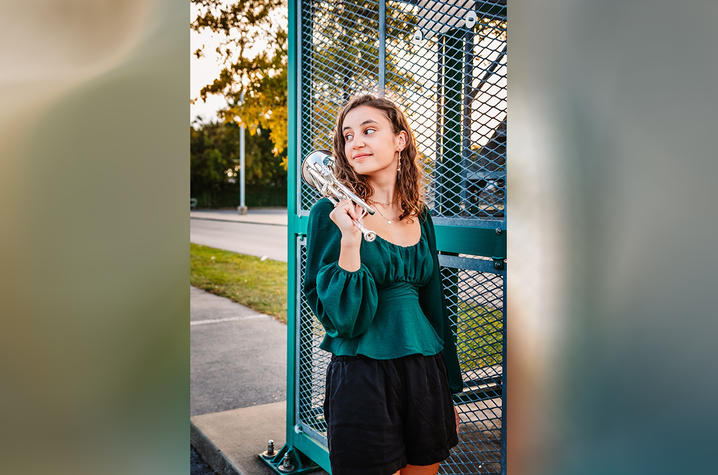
x,y
456,416
344,214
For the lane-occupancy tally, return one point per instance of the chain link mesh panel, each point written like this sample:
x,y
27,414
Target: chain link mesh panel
x,y
444,64
475,295
312,362
476,305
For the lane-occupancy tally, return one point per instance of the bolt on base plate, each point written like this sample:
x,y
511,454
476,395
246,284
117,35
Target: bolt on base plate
x,y
287,461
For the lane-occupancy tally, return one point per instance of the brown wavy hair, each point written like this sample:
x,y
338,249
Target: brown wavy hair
x,y
409,180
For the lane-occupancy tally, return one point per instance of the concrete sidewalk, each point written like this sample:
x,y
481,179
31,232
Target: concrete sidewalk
x,y
271,216
238,379
229,441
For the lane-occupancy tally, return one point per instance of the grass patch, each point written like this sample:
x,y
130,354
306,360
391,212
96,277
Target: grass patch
x,y
481,339
260,285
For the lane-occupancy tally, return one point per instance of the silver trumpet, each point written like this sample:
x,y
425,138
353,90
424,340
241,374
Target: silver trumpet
x,y
318,172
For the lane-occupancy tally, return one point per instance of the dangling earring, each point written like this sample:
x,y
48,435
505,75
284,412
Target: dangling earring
x,y
398,167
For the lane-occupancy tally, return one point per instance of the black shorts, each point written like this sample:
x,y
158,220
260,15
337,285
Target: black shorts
x,y
383,414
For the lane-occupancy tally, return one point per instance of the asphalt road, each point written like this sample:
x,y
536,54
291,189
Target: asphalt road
x,y
246,238
197,465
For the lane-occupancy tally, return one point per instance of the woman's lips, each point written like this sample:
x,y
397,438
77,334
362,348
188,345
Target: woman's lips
x,y
361,155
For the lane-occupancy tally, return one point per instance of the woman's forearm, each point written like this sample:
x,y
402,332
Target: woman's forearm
x,y
349,256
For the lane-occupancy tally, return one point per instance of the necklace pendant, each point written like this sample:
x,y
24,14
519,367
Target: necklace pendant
x,y
389,221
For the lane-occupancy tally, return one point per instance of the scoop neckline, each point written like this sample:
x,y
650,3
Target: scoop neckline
x,y
421,236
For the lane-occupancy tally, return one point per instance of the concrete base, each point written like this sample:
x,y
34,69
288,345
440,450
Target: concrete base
x,y
230,441
234,438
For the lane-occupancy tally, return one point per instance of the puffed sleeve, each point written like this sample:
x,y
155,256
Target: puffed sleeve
x,y
433,304
344,302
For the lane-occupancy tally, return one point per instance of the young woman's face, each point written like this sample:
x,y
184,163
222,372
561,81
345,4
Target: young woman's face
x,y
370,144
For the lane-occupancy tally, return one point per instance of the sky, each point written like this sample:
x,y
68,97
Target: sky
x,y
203,71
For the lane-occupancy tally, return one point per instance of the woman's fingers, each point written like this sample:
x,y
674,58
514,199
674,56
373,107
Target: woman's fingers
x,y
349,208
358,210
344,215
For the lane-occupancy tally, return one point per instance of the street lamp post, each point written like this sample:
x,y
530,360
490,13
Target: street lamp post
x,y
242,208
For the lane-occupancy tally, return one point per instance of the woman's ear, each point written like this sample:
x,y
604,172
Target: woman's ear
x,y
401,139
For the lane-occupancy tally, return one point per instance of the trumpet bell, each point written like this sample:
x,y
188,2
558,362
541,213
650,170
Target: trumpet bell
x,y
319,163
318,172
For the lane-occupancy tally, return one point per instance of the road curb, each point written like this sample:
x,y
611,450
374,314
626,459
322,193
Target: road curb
x,y
237,221
211,454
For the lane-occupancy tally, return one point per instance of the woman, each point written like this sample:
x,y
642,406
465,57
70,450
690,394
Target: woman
x,y
388,400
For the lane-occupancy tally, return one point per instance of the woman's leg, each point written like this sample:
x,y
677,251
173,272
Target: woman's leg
x,y
419,469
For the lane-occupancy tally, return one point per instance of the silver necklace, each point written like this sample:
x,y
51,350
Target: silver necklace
x,y
388,221
380,203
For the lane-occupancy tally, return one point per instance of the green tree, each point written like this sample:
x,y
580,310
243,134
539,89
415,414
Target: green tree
x,y
213,156
214,165
253,82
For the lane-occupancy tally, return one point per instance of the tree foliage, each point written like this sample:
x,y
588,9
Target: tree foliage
x,y
253,81
211,156
214,157
345,53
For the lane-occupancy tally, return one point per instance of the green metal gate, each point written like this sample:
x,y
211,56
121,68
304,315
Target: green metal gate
x,y
444,63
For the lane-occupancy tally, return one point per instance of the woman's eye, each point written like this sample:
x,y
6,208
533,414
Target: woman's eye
x,y
348,137
368,131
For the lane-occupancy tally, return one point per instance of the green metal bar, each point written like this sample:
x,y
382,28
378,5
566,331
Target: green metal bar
x,y
474,241
317,452
293,57
453,239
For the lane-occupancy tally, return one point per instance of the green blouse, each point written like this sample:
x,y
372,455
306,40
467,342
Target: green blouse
x,y
392,306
